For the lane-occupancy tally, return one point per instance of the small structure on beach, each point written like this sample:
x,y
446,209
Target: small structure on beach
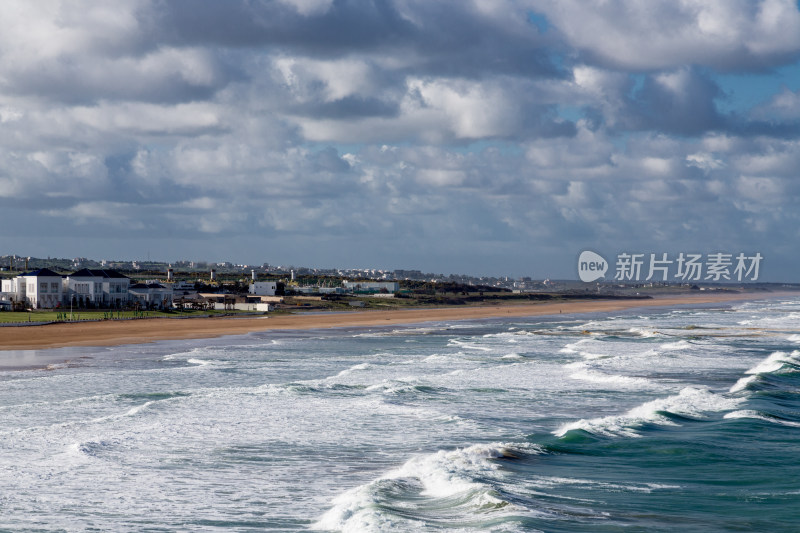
x,y
263,288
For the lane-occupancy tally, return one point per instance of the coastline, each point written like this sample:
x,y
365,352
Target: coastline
x,y
115,333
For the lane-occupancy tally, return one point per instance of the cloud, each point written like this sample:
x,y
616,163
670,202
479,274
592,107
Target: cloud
x,y
704,161
442,135
784,106
663,35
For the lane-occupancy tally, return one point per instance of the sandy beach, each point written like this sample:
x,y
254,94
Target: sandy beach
x,y
113,333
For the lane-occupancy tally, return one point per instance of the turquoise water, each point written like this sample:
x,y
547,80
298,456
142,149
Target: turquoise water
x,y
659,420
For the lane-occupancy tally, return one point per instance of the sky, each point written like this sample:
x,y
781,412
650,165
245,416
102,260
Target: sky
x,y
485,137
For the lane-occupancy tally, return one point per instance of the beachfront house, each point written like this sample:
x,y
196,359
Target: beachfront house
x,y
100,288
37,289
45,289
151,295
9,290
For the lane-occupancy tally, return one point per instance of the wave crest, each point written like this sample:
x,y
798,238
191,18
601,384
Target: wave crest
x,y
458,478
690,402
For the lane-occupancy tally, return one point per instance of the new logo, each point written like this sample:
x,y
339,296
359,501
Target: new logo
x,y
591,266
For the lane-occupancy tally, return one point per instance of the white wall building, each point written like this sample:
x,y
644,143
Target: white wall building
x,y
9,290
151,295
104,288
40,289
46,289
263,288
253,306
390,286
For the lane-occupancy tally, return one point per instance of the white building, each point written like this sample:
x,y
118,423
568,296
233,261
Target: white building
x,y
104,288
151,295
263,288
372,286
40,289
9,290
253,306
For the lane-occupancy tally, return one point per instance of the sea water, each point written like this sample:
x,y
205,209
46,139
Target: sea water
x,y
682,419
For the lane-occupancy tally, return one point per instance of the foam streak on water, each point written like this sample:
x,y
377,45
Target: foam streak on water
x,y
677,418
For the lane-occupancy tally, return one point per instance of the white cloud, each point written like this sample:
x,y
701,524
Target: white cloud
x,y
704,161
339,78
473,110
783,106
309,7
458,122
148,118
664,34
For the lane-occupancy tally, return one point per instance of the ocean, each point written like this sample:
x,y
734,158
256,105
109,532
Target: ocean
x,y
659,419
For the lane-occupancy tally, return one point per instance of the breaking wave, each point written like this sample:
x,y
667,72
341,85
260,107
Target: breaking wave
x,y
689,403
466,479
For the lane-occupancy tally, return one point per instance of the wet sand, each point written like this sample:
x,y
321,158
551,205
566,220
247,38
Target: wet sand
x,y
114,333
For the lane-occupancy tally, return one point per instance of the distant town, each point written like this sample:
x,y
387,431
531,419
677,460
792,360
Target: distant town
x,y
30,283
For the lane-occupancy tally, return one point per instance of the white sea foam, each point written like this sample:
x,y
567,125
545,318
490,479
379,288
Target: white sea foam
x,y
759,416
645,332
586,374
354,368
678,345
690,402
139,408
439,357
742,383
590,349
551,481
774,363
593,355
463,474
793,338
462,344
224,431
130,412
777,320
574,347
396,386
398,332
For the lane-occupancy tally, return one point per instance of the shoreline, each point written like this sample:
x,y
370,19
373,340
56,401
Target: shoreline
x,y
113,333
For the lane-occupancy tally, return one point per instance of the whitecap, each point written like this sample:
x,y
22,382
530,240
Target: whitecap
x,y
461,344
645,332
774,363
550,481
759,416
573,347
678,345
455,474
354,368
593,376
690,402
